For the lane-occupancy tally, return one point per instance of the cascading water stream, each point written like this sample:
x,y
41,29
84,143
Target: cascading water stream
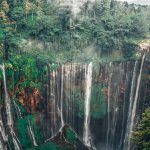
x,y
8,112
133,113
108,107
1,145
15,139
70,84
2,130
61,107
17,109
29,127
86,134
55,98
130,106
7,99
124,107
30,130
3,136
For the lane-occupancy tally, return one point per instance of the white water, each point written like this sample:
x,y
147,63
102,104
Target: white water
x,y
70,79
33,137
124,108
17,109
53,100
61,109
135,100
8,111
1,145
130,106
86,134
32,134
7,99
108,107
2,130
14,138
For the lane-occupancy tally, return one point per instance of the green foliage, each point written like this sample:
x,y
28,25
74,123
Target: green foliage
x,y
70,136
2,35
42,35
54,66
22,110
137,27
36,129
129,49
141,135
48,146
4,6
17,13
32,36
98,106
79,103
22,125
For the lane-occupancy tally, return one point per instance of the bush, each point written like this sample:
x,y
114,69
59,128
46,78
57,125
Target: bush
x,y
129,49
141,135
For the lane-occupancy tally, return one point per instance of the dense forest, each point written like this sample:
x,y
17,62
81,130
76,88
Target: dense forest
x,y
108,28
37,33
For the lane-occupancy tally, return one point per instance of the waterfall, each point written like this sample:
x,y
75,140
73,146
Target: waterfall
x,y
1,145
29,127
61,107
124,107
70,86
17,109
15,139
3,136
108,105
8,111
86,134
133,112
2,130
130,106
7,99
53,100
30,130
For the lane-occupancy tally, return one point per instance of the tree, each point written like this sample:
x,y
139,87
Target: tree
x,y
4,6
17,13
141,136
138,26
129,49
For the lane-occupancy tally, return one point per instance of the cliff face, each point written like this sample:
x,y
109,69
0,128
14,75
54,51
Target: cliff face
x,y
117,93
29,98
114,88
